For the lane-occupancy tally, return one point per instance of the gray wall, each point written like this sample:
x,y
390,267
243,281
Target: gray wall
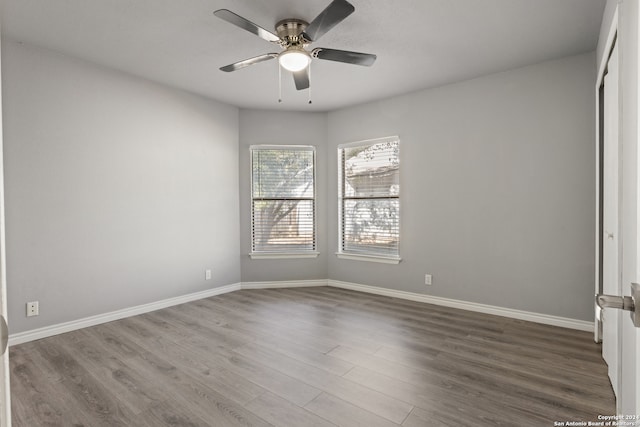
x,y
119,191
497,188
283,128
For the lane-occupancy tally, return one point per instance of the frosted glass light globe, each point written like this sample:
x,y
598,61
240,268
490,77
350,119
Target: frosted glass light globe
x,y
294,59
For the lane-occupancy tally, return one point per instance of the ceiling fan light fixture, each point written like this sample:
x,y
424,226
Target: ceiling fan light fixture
x,y
294,59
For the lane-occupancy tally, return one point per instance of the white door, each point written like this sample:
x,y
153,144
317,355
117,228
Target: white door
x,y
611,271
5,402
620,202
629,83
629,204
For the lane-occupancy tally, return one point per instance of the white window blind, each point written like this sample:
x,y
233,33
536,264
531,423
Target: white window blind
x,y
369,197
283,199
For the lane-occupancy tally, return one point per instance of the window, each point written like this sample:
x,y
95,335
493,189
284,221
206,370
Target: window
x,y
369,200
283,201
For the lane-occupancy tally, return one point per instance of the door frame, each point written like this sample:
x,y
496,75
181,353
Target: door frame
x,y
599,232
5,389
611,196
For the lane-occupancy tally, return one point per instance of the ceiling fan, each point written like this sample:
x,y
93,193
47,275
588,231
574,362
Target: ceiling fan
x,y
294,36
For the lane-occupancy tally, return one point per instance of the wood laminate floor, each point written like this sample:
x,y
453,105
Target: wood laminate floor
x,y
310,357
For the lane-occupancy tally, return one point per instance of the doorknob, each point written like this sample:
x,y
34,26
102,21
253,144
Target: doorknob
x,y
631,303
613,301
609,235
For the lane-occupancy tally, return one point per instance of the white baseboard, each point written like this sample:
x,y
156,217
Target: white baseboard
x,y
284,284
564,322
61,328
47,331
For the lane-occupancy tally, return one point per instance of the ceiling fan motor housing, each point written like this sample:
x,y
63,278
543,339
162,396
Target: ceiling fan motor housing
x,y
289,31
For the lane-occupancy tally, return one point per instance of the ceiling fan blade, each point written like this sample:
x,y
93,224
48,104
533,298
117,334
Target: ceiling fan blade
x,y
358,58
301,79
245,63
245,24
328,18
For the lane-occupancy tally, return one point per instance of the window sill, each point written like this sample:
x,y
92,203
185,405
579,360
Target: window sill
x,y
369,258
258,255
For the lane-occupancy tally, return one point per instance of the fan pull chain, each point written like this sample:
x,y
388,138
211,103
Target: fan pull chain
x,y
279,82
309,88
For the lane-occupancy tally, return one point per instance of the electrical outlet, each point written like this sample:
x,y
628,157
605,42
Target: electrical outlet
x,y
427,279
33,308
207,275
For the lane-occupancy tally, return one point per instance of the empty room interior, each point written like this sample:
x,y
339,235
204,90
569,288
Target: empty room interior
x,y
319,213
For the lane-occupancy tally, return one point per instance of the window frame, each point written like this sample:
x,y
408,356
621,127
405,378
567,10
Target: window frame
x,y
290,254
341,253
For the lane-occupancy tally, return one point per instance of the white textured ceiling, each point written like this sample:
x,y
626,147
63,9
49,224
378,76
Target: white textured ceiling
x,y
419,43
